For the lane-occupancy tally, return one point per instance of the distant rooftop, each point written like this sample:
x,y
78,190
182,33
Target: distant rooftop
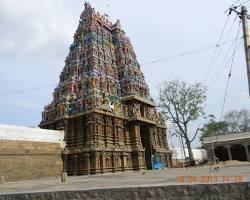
x,y
12,132
227,137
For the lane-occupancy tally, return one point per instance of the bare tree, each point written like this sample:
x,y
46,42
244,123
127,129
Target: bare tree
x,y
238,121
182,103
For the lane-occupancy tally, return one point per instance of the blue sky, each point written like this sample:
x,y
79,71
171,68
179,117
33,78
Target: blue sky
x,y
35,37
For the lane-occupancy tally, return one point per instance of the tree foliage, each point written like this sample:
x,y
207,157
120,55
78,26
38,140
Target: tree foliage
x,y
182,103
213,128
238,121
233,122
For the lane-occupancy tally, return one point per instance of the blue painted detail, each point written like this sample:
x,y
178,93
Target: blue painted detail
x,y
156,162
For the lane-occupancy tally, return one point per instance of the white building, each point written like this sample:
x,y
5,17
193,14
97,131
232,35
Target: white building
x,y
200,155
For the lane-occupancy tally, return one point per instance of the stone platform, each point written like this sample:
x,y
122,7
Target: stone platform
x,y
227,182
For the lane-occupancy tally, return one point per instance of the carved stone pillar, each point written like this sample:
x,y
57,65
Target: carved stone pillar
x,y
141,160
167,160
164,141
160,137
136,160
87,160
101,131
136,138
105,130
113,162
124,161
64,159
229,152
76,164
125,137
171,160
110,137
115,142
95,130
90,128
94,163
247,151
66,123
103,162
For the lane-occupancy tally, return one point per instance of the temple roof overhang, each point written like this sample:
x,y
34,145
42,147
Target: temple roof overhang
x,y
226,138
138,98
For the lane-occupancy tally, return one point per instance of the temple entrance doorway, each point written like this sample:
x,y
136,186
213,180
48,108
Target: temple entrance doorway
x,y
146,143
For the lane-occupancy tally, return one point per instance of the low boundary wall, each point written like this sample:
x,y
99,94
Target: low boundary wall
x,y
180,192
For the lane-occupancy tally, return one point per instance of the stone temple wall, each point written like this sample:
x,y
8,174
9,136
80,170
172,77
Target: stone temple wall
x,y
29,153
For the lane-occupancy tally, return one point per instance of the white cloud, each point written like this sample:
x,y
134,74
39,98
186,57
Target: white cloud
x,y
27,31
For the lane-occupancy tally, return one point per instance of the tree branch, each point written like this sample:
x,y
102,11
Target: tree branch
x,y
196,132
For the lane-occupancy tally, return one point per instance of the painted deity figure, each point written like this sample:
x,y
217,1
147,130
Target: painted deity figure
x,y
151,113
137,112
118,108
130,111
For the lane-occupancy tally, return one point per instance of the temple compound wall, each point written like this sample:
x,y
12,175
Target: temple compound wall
x,y
103,103
29,153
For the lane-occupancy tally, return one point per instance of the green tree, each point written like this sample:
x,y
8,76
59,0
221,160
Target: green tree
x,y
181,103
234,122
213,128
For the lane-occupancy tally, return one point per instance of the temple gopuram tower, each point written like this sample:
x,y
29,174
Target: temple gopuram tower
x,y
103,103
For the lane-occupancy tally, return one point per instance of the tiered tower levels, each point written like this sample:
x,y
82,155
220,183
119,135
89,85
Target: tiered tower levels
x,y
103,103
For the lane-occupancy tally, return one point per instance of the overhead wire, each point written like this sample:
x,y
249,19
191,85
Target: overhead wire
x,y
216,46
224,97
220,70
244,2
236,2
215,57
233,5
215,51
240,4
145,64
188,52
229,75
26,90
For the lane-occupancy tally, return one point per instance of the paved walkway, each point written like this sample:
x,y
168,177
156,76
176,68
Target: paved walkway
x,y
197,175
